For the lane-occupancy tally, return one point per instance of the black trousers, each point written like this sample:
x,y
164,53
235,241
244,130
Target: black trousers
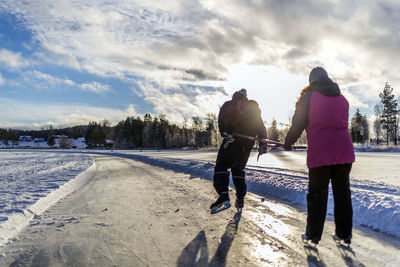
x,y
234,158
317,198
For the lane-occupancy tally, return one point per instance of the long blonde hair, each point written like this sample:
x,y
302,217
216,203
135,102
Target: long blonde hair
x,y
304,91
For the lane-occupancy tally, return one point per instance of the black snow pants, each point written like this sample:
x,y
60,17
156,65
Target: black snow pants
x,y
317,198
234,158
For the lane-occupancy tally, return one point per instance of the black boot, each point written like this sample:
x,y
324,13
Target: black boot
x,y
239,202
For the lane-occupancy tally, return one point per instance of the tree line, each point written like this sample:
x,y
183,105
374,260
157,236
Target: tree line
x,y
158,132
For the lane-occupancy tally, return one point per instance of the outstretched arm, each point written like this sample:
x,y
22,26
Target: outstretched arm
x,y
299,121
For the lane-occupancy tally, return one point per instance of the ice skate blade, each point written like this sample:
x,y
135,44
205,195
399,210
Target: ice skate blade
x,y
341,241
223,206
308,241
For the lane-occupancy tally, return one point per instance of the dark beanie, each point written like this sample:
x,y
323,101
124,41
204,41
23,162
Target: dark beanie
x,y
316,74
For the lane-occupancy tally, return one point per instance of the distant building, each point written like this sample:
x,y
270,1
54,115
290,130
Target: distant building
x,y
25,138
39,140
109,143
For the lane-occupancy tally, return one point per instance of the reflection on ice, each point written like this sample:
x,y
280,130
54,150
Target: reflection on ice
x,y
295,161
272,229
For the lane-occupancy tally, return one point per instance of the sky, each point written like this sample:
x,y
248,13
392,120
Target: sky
x,y
68,62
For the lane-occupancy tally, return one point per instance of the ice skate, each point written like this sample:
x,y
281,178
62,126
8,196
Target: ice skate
x,y
222,203
340,240
308,240
239,204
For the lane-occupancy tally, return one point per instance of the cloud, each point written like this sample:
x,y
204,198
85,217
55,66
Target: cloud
x,y
44,81
12,60
95,87
182,102
170,44
26,115
2,81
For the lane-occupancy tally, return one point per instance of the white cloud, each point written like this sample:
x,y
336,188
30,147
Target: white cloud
x,y
44,81
95,87
194,42
26,115
9,59
181,103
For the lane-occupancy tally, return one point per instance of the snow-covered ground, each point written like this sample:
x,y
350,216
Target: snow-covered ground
x,y
32,181
31,177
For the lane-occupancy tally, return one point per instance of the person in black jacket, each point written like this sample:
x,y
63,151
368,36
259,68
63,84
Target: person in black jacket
x,y
237,116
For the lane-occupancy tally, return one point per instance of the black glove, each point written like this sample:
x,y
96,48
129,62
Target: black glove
x,y
229,140
287,146
262,148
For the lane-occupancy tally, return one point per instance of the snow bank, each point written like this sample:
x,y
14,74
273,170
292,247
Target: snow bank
x,y
30,182
376,205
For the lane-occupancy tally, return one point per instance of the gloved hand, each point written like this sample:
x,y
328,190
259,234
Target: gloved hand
x,y
262,148
287,146
229,140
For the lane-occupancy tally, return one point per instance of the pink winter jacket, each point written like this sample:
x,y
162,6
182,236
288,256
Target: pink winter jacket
x,y
323,113
328,137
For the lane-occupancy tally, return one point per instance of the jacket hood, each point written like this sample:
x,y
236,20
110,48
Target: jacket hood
x,y
326,87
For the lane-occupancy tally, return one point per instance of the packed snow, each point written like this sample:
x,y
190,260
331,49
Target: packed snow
x,y
29,179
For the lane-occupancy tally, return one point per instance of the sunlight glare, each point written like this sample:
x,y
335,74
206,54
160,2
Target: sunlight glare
x,y
275,90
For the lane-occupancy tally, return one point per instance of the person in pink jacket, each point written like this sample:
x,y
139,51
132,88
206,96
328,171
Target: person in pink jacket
x,y
323,112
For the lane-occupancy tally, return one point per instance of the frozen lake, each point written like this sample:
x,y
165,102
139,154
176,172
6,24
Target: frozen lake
x,y
29,177
378,167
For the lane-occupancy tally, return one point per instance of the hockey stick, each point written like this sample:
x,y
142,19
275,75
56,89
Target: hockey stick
x,y
264,140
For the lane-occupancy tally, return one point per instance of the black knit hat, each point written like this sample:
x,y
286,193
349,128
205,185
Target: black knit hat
x,y
316,74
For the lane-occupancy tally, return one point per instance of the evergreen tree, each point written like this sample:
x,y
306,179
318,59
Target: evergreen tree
x,y
365,129
388,112
148,133
273,131
163,135
355,127
199,135
95,135
50,139
4,136
377,129
359,128
211,128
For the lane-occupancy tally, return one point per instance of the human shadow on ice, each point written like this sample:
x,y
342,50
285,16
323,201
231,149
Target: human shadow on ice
x,y
196,252
348,255
313,257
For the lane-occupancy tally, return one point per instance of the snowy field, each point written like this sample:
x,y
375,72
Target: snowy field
x,y
78,143
33,180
